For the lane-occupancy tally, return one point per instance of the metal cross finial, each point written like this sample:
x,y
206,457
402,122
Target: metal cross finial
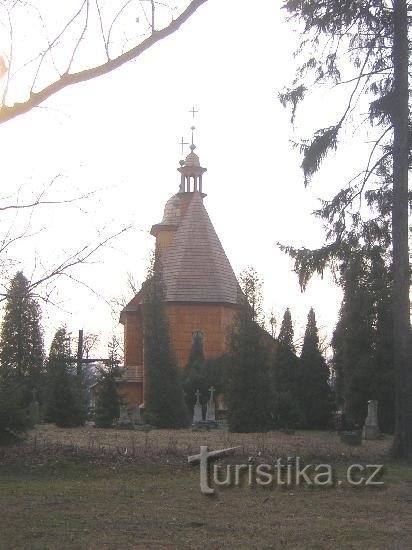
x,y
193,128
193,111
183,143
212,391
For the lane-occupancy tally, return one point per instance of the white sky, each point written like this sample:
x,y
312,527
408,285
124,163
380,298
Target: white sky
x,y
119,134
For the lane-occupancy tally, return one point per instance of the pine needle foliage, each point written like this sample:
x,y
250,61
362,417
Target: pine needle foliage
x,y
363,46
66,405
363,343
107,410
21,339
248,388
164,401
285,378
315,391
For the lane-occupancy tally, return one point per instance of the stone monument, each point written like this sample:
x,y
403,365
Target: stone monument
x,y
210,410
134,415
124,419
371,427
197,409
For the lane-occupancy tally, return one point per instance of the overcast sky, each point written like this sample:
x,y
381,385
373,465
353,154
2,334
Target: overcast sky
x,y
119,135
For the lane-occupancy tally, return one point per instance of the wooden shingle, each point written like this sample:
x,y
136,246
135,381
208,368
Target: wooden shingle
x,y
195,266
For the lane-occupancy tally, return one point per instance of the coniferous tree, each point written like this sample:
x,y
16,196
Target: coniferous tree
x,y
353,343
363,341
201,374
21,339
196,355
248,387
113,352
373,36
108,401
193,376
286,362
13,417
164,401
285,378
383,384
66,405
315,393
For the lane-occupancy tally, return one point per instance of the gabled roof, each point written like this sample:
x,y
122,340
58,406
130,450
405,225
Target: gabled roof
x,y
195,266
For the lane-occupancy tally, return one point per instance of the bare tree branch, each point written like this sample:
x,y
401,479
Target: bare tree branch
x,y
68,79
80,256
105,41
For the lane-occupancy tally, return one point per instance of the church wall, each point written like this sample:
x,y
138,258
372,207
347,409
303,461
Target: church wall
x,y
213,320
131,393
133,339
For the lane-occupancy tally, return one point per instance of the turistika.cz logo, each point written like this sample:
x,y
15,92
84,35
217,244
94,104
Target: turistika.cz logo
x,y
291,472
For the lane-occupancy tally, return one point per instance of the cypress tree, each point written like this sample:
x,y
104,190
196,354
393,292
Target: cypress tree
x,y
315,391
286,361
65,400
21,339
285,377
201,374
353,342
193,376
107,409
384,374
338,344
363,341
164,401
248,386
107,400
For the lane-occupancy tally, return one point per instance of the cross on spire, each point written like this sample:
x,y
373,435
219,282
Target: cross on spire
x,y
193,111
193,146
183,143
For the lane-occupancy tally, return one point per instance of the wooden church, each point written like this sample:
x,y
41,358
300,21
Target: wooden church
x,y
201,286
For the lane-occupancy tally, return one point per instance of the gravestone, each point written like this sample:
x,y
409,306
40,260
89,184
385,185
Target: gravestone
x,y
197,409
371,428
134,415
210,410
124,419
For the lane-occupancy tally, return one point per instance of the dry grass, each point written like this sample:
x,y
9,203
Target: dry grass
x,y
106,489
157,443
59,497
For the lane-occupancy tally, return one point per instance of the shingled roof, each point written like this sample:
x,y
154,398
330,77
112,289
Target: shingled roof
x,y
195,266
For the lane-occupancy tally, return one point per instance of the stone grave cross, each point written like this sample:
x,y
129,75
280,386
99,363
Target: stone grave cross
x,y
210,410
197,409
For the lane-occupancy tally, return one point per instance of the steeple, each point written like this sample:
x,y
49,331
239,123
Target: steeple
x,y
195,266
191,186
191,171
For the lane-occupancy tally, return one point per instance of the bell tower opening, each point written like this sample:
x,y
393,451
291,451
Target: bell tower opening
x,y
191,173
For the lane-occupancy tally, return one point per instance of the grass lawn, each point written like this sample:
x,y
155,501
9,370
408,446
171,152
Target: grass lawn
x,y
69,497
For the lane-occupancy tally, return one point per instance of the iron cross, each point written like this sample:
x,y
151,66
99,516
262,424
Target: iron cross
x,y
183,143
193,111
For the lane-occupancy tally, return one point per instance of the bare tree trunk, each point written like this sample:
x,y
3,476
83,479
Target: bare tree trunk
x,y
402,446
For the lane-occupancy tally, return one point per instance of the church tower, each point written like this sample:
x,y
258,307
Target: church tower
x,y
201,287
